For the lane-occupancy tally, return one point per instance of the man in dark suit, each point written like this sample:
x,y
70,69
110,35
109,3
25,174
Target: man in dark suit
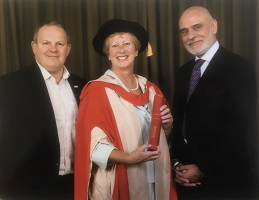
x,y
38,110
214,121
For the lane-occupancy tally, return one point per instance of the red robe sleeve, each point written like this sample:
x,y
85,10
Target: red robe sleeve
x,y
94,110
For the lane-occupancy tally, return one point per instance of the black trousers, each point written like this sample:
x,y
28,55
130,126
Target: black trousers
x,y
39,188
64,187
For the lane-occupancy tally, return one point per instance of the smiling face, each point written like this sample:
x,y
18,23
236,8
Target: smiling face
x,y
122,50
198,30
51,48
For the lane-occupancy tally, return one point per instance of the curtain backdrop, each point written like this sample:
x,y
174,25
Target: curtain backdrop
x,y
238,31
237,20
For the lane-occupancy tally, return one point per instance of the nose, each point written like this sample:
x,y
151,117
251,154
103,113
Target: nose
x,y
191,34
121,48
53,47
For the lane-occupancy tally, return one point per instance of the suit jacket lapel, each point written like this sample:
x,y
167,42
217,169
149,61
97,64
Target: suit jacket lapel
x,y
214,63
76,88
210,71
35,89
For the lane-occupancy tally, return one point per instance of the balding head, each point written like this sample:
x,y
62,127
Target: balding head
x,y
196,11
198,30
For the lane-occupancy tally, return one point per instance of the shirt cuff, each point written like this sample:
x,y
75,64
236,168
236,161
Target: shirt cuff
x,y
101,154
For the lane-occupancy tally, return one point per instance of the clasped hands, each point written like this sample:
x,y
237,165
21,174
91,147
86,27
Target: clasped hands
x,y
188,175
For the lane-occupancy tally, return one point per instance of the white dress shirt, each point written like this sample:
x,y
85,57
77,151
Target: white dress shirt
x,y
65,110
208,56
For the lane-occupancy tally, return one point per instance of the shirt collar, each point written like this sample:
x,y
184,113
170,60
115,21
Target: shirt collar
x,y
46,75
210,53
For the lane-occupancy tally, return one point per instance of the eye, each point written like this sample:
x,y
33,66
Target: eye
x,y
127,44
114,45
61,44
45,43
197,27
183,32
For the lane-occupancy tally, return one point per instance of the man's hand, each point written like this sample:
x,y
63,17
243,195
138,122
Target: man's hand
x,y
188,175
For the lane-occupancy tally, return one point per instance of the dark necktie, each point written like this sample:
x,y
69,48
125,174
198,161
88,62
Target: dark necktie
x,y
196,74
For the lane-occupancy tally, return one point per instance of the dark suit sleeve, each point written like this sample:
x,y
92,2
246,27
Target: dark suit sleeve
x,y
244,104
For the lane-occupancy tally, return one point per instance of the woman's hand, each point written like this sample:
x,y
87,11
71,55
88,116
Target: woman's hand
x,y
167,119
142,154
139,155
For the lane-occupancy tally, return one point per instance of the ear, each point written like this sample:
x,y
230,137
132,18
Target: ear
x,y
68,49
214,26
33,46
107,56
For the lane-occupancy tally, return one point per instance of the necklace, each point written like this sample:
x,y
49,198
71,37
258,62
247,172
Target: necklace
x,y
136,88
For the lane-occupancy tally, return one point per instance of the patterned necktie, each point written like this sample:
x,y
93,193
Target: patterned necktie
x,y
196,74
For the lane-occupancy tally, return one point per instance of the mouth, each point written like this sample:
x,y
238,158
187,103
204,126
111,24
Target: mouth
x,y
194,43
122,57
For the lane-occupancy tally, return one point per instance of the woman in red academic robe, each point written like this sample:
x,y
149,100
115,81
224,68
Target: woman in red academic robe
x,y
112,159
